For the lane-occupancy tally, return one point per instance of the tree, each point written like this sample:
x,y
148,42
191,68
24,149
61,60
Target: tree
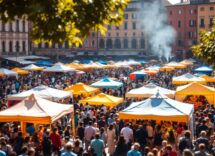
x,y
205,50
57,21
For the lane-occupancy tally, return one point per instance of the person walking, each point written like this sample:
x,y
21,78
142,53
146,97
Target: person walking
x,y
98,146
111,136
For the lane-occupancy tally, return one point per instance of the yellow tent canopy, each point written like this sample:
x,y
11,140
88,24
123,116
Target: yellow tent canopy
x,y
2,74
160,108
208,78
104,99
166,68
187,78
195,89
20,71
82,89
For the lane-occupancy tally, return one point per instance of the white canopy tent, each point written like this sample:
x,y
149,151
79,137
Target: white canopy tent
x,y
43,92
149,90
8,72
33,67
59,67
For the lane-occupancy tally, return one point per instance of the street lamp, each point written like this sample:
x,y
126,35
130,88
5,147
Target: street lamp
x,y
17,49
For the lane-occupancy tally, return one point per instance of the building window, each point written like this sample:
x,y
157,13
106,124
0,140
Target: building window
x,y
109,43
179,24
190,34
53,45
117,34
17,46
46,45
210,21
202,9
202,22
109,27
93,43
125,25
117,44
126,16
142,34
179,12
23,26
93,34
134,25
40,45
10,46
109,34
191,11
170,12
117,28
126,34
142,43
101,43
179,43
134,44
59,45
125,42
211,8
3,46
3,26
134,16
192,23
17,25
11,27
23,46
66,44
134,34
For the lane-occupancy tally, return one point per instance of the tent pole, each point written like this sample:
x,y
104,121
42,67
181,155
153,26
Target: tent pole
x,y
23,127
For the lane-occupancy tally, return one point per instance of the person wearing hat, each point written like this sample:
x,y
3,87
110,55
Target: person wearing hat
x,y
135,150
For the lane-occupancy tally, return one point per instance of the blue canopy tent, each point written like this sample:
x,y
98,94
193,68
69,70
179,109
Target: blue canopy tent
x,y
204,70
142,61
86,61
159,107
137,75
44,63
102,62
107,83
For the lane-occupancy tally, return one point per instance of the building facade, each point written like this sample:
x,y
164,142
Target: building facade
x,y
188,19
183,18
127,39
14,38
206,14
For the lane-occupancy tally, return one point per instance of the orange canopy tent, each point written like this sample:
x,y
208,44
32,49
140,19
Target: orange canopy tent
x,y
208,78
102,99
82,89
195,89
36,110
166,68
2,74
20,71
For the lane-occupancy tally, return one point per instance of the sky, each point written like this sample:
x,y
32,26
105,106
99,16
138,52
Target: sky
x,y
174,1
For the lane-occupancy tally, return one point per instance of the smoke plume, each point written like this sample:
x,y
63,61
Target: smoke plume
x,y
155,25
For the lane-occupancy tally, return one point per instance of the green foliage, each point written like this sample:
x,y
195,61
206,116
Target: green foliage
x,y
205,50
56,21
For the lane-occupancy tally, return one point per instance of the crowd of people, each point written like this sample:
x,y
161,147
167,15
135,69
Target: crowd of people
x,y
98,130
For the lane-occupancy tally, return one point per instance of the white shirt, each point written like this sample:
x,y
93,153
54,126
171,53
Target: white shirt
x,y
127,133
